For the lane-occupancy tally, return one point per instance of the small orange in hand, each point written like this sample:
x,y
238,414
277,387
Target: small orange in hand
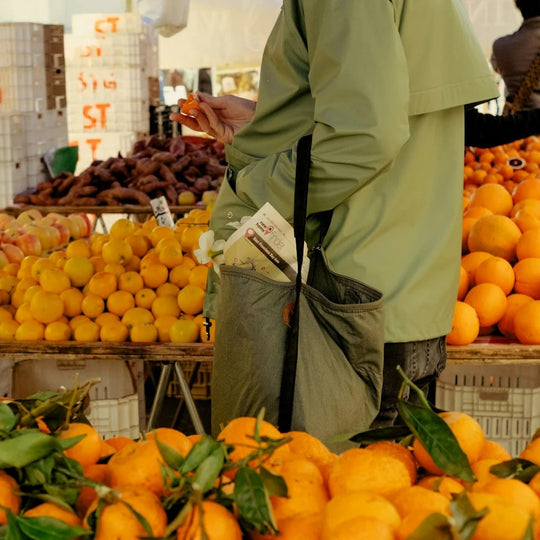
x,y
190,104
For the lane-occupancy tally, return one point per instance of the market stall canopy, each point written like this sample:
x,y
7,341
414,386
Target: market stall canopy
x,y
220,33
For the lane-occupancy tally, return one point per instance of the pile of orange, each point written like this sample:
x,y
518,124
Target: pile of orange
x,y
383,491
499,289
139,282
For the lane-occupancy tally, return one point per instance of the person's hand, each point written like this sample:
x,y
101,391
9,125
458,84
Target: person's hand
x,y
221,117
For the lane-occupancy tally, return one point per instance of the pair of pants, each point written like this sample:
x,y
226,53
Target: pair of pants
x,y
421,361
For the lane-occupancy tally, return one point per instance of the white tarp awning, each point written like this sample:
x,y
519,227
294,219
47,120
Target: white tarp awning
x,y
220,33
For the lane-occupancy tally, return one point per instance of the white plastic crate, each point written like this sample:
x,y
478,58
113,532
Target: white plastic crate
x,y
22,89
118,380
115,417
119,50
21,44
96,117
13,180
106,23
106,84
94,146
504,399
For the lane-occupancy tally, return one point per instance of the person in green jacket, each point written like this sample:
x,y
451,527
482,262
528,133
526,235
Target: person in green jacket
x,y
382,86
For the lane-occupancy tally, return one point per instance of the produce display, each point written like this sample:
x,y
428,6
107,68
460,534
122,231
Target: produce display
x,y
140,282
181,169
441,478
499,290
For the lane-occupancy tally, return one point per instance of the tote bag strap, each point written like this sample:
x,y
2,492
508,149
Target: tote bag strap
x,y
288,378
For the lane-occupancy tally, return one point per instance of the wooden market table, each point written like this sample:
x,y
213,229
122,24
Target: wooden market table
x,y
168,355
493,350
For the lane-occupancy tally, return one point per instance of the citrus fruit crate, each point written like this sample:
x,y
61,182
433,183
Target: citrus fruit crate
x,y
115,417
503,398
202,384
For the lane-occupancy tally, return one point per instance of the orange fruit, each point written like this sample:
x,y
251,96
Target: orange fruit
x,y
114,268
446,485
531,452
468,433
23,313
361,469
88,450
199,276
528,244
531,206
494,197
489,302
72,299
54,280
102,284
140,464
48,509
239,433
46,307
184,331
528,188
398,451
154,275
137,315
465,325
495,234
191,299
213,522
306,527
207,334
179,275
513,303
92,305
87,494
310,447
98,262
163,325
130,281
57,331
306,490
527,323
470,263
119,302
78,248
122,228
513,491
170,255
358,504
463,286
160,232
116,250
9,498
165,305
145,297
139,243
106,318
79,270
527,272
113,332
498,271
482,472
78,320
118,519
86,332
168,289
494,450
414,497
143,333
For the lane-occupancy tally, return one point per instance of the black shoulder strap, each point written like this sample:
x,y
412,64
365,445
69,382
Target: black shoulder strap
x,y
288,378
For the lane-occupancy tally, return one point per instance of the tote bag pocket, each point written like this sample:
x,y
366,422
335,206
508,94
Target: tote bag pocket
x,y
341,338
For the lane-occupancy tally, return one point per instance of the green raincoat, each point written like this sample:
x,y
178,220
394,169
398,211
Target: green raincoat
x,y
382,86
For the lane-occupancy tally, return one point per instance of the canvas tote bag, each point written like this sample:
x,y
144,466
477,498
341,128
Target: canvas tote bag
x,y
318,370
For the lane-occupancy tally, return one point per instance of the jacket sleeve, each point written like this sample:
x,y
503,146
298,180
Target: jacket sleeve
x,y
359,83
487,130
